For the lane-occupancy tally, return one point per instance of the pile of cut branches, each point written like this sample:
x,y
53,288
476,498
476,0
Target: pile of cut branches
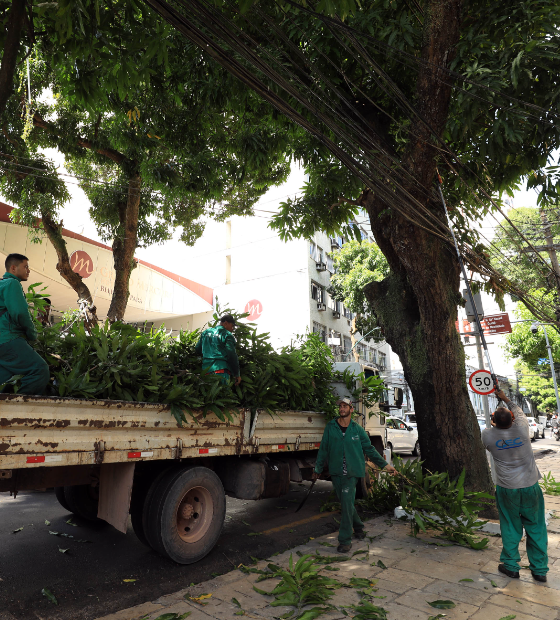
x,y
120,362
433,501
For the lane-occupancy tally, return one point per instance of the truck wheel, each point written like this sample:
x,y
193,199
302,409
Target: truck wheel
x,y
59,494
186,514
82,500
416,451
142,493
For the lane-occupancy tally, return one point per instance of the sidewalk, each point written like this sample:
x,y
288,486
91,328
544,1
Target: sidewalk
x,y
417,570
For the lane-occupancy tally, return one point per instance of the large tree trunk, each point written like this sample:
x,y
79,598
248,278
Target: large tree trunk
x,y
16,21
75,280
417,304
124,246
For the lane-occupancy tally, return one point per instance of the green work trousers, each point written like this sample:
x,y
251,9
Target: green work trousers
x,y
523,508
345,487
19,358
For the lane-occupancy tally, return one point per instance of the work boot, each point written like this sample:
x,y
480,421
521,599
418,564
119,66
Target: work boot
x,y
539,577
359,534
510,573
344,548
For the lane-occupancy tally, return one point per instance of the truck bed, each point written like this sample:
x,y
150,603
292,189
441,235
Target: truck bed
x,y
39,431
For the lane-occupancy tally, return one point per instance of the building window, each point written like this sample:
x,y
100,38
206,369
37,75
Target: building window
x,y
382,361
312,250
340,241
347,344
336,336
319,257
363,234
317,293
330,264
347,313
321,330
373,356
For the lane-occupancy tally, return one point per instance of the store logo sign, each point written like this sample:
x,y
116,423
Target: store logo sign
x,y
81,263
254,308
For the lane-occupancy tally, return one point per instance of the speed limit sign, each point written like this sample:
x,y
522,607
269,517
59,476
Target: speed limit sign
x,y
481,382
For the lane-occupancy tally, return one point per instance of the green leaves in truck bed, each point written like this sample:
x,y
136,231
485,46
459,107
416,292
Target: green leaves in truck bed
x,y
122,362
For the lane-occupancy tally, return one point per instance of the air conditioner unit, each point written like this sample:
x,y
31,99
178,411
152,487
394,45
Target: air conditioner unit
x,y
336,314
321,266
334,244
321,307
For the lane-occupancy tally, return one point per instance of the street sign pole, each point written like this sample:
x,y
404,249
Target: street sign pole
x,y
485,405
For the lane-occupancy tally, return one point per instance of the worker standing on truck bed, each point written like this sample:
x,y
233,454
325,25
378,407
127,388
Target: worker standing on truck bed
x,y
217,347
343,447
17,357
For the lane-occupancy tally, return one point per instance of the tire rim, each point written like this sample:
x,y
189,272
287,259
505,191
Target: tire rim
x,y
195,512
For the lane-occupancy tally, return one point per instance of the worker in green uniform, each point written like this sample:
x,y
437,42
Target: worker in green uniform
x,y
17,357
518,495
343,447
217,347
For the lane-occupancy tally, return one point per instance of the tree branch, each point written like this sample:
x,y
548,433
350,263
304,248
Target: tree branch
x,y
111,154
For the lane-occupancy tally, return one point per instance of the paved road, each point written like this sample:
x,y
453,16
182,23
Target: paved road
x,y
88,579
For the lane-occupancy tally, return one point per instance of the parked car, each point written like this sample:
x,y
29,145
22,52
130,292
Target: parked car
x,y
410,419
402,437
534,430
537,427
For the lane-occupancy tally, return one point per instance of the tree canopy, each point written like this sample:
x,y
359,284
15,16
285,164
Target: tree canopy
x,y
530,348
389,98
357,264
513,257
156,148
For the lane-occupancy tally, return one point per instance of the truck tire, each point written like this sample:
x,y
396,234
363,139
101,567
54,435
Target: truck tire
x,y
82,500
142,493
186,514
59,494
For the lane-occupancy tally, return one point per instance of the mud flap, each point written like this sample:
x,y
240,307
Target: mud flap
x,y
115,490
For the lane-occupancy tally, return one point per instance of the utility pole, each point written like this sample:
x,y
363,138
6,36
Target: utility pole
x,y
552,369
551,249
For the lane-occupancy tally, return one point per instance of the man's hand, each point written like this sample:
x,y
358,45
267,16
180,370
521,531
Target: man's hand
x,y
501,395
237,380
390,469
315,476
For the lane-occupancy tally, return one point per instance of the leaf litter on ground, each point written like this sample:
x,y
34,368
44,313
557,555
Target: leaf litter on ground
x,y
49,596
441,604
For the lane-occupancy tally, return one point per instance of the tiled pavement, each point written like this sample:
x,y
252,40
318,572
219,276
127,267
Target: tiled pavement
x,y
417,571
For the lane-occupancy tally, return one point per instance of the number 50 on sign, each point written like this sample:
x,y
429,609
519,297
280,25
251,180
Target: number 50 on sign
x,y
481,382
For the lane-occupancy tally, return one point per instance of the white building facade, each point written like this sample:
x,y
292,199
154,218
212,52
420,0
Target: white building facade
x,y
283,285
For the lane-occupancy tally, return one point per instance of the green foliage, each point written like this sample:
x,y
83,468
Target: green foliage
x,y
116,361
531,348
357,264
549,485
300,586
508,54
523,268
137,111
435,501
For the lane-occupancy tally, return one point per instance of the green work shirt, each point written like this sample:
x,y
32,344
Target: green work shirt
x,y
335,448
217,347
15,320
